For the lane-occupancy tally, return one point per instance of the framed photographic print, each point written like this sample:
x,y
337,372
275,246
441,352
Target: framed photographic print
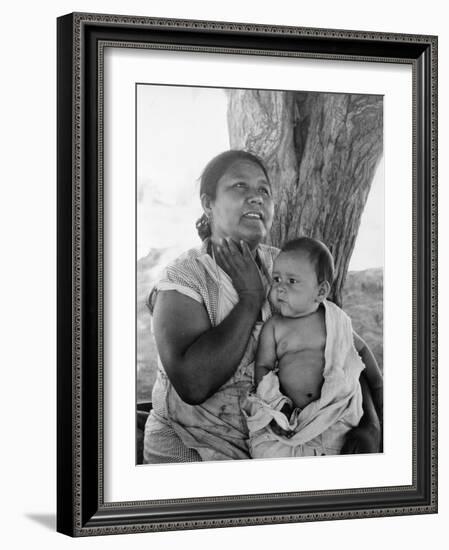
x,y
247,270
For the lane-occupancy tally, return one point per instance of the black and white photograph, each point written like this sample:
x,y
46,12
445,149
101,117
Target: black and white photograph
x,y
246,274
259,273
211,210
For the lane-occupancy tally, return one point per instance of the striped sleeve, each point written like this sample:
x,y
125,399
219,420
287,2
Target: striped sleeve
x,y
181,277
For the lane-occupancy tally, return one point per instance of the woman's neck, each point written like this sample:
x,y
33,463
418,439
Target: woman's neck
x,y
218,240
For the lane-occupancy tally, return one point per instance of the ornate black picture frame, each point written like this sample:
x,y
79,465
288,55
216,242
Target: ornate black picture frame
x,y
81,509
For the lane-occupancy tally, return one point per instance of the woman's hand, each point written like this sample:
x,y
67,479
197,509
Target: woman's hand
x,y
242,269
367,436
362,439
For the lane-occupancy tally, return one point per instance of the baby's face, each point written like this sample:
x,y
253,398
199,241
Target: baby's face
x,y
295,288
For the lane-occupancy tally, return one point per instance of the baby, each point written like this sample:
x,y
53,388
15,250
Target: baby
x,y
316,398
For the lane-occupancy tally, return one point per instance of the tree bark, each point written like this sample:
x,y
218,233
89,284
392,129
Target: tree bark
x,y
321,151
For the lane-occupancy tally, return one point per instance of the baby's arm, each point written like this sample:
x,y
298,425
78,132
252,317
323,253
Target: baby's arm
x,y
266,360
372,373
266,351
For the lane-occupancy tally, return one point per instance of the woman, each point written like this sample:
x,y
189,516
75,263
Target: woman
x,y
208,309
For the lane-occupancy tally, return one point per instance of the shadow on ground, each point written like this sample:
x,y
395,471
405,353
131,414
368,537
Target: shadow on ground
x,y
47,520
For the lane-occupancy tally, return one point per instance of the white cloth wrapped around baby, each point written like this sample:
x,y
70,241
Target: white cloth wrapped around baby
x,y
320,428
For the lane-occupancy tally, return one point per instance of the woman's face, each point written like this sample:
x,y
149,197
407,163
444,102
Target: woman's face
x,y
243,205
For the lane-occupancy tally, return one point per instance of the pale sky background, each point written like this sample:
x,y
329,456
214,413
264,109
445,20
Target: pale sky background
x,y
179,129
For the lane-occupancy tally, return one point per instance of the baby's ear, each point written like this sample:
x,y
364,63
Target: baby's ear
x,y
323,291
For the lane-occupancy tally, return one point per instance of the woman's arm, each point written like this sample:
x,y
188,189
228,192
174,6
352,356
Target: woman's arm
x,y
372,373
367,436
197,357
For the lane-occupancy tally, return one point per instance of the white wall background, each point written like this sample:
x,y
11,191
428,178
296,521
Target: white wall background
x,y
28,282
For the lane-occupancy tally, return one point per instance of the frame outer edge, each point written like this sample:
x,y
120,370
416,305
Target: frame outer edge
x,y
426,272
434,268
78,152
69,522
263,29
65,268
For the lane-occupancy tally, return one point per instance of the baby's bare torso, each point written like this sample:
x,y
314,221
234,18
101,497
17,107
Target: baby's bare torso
x,y
300,344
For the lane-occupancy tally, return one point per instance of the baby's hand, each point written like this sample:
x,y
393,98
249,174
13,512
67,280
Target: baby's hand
x,y
287,410
280,431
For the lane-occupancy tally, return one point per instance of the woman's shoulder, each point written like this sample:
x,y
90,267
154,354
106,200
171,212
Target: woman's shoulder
x,y
183,274
267,250
187,258
188,269
268,254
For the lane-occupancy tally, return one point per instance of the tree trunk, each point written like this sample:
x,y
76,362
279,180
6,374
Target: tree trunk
x,y
321,151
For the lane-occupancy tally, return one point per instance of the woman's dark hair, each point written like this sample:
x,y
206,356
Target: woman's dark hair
x,y
213,171
318,254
